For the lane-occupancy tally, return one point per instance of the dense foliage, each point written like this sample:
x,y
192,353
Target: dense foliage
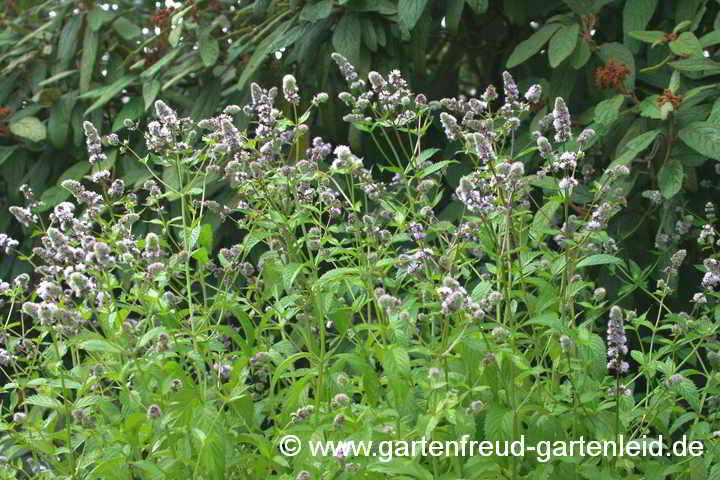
x,y
344,276
640,69
344,309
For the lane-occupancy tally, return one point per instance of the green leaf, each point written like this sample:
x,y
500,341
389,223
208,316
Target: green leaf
x,y
316,11
703,137
705,65
157,66
43,401
130,111
498,423
687,44
111,91
6,152
68,43
599,259
175,34
453,14
712,38
607,111
126,29
532,45
30,128
98,345
369,36
53,196
87,60
400,468
347,37
209,50
150,92
586,7
670,178
478,6
261,53
636,15
634,147
562,44
59,120
648,36
98,17
581,55
409,12
75,172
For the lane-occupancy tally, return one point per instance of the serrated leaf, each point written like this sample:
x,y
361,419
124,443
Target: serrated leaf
x,y
43,401
599,259
126,29
670,178
31,128
636,15
209,50
562,44
347,37
607,111
703,137
317,11
528,48
409,12
498,424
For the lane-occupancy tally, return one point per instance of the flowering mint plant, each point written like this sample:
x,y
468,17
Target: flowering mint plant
x,y
167,333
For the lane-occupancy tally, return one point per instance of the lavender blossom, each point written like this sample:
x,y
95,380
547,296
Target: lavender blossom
x,y
511,90
617,341
93,143
7,244
561,121
533,94
290,89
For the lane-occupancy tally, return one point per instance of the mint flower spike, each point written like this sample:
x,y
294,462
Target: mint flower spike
x,y
561,121
93,143
617,341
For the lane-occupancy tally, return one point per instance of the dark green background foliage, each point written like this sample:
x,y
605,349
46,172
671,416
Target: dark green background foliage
x,y
87,63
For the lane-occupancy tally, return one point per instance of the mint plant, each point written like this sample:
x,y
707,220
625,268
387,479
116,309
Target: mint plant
x,y
342,308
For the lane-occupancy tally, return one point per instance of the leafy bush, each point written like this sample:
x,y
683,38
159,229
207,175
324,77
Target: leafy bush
x,y
341,307
640,72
